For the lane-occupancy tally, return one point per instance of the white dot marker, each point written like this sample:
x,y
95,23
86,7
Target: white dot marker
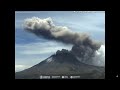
x,y
117,76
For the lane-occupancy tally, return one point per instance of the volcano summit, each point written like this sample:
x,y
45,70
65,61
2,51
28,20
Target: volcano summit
x,y
64,63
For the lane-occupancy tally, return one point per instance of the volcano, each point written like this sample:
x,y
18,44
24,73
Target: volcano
x,y
62,63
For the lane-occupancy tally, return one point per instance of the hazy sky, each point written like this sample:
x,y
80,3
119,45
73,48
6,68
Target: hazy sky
x,y
30,50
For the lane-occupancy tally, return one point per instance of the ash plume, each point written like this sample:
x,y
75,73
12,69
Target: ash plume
x,y
46,28
84,48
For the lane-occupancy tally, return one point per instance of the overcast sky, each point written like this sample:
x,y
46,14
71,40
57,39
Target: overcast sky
x,y
30,50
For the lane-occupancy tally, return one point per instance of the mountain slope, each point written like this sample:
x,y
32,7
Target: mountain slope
x,y
62,63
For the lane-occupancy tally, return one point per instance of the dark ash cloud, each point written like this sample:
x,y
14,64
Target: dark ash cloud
x,y
46,28
84,48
